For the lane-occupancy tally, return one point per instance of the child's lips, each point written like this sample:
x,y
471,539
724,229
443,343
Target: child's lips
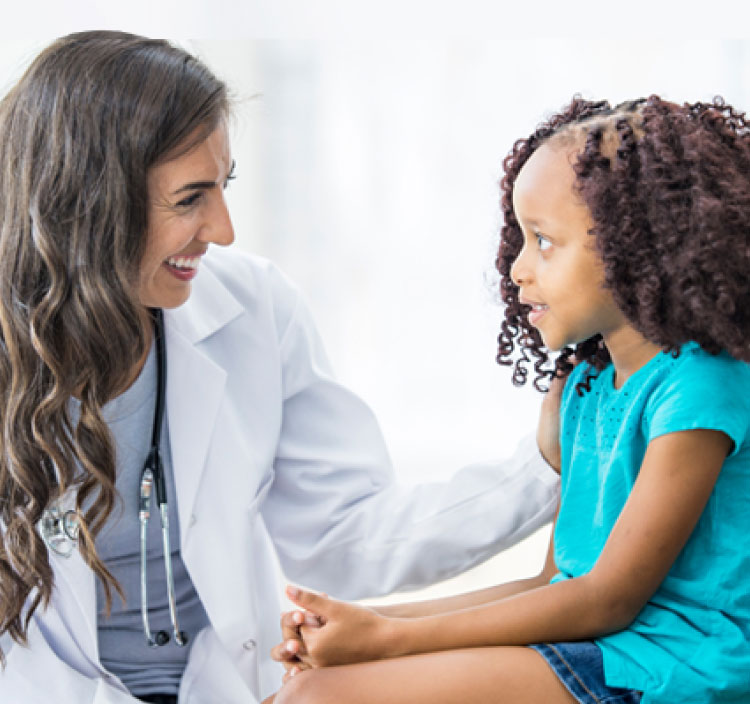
x,y
536,313
537,310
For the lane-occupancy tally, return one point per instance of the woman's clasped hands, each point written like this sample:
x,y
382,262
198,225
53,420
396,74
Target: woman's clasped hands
x,y
329,632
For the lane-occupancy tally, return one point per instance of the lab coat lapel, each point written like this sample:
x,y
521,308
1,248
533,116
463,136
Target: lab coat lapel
x,y
195,384
76,590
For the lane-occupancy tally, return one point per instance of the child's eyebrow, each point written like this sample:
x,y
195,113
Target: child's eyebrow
x,y
532,222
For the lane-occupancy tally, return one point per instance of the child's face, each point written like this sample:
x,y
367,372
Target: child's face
x,y
558,270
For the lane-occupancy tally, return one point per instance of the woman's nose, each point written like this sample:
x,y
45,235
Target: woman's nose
x,y
219,228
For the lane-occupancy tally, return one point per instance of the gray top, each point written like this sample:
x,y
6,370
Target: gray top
x,y
123,649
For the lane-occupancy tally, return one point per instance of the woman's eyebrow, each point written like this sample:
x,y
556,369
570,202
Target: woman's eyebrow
x,y
194,185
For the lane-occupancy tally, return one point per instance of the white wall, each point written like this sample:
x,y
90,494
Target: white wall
x,y
373,169
368,171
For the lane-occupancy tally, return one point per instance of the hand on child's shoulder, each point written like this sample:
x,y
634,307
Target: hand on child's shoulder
x,y
548,429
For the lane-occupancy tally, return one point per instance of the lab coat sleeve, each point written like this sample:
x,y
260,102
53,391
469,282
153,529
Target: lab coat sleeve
x,y
340,521
34,674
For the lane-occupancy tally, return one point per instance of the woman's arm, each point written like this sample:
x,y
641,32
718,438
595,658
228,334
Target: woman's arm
x,y
355,530
547,437
676,478
291,651
434,607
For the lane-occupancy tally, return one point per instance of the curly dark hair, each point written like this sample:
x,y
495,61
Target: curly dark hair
x,y
670,203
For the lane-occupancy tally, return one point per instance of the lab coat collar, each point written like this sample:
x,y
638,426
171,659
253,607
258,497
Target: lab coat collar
x,y
195,385
209,308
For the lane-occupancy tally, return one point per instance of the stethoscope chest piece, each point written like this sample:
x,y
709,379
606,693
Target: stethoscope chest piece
x,y
59,530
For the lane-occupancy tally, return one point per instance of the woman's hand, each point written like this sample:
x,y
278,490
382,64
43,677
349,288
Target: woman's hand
x,y
348,633
548,430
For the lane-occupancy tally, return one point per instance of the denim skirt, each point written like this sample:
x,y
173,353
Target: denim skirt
x,y
580,667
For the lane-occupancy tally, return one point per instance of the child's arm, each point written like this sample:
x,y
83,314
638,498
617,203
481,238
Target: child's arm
x,y
292,653
676,478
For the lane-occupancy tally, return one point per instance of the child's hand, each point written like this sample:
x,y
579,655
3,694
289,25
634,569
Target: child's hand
x,y
548,430
291,648
349,633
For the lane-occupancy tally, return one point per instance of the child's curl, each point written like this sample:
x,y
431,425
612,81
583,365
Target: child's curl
x,y
668,189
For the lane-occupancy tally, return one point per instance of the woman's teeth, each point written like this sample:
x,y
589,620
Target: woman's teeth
x,y
184,262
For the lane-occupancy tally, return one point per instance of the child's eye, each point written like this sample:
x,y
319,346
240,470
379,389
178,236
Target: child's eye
x,y
192,199
542,242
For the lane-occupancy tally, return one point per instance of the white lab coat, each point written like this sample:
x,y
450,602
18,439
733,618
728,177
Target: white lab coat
x,y
272,457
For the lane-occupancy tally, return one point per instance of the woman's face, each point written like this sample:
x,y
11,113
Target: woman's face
x,y
187,212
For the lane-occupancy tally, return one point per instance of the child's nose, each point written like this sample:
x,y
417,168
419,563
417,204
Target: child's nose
x,y
519,271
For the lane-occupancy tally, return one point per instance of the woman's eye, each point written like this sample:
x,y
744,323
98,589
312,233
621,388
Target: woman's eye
x,y
542,242
190,200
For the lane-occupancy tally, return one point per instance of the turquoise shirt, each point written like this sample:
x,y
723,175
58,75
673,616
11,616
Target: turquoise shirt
x,y
691,642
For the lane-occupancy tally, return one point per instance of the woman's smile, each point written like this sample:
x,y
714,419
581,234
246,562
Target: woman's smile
x,y
187,213
184,268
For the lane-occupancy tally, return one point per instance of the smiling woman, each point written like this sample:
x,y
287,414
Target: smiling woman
x,y
186,213
135,359
98,125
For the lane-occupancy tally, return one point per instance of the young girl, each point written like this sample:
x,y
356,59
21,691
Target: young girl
x,y
626,246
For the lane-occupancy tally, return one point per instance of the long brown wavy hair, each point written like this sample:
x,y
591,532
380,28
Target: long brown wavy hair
x,y
78,135
668,189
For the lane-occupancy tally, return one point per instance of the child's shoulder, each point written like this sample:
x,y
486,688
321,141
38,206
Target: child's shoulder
x,y
691,361
701,390
692,372
708,380
702,367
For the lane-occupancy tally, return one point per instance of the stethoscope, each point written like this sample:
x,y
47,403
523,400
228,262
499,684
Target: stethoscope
x,y
60,529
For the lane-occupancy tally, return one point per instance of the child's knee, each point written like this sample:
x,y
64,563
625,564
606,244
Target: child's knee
x,y
307,687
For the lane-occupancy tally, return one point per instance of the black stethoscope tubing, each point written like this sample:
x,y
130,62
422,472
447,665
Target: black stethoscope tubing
x,y
152,481
59,529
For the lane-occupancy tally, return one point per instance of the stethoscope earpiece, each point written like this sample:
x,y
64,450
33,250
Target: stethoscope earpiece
x,y
162,638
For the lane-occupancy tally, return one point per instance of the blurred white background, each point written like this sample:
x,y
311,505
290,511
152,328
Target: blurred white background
x,y
368,171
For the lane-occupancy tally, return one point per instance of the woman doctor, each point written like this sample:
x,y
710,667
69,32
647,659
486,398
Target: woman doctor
x,y
170,426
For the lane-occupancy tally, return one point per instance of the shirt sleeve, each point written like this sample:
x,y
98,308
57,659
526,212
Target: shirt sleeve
x,y
704,392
